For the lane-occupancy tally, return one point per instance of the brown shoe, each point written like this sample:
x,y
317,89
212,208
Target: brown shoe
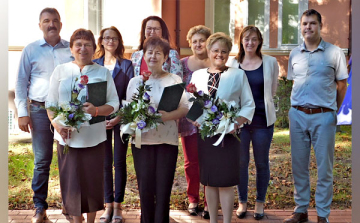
x,y
322,220
39,216
297,218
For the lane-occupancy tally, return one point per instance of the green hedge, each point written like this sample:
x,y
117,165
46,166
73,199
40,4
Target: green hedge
x,y
282,103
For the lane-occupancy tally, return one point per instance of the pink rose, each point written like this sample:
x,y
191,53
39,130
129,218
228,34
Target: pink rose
x,y
146,75
191,88
84,79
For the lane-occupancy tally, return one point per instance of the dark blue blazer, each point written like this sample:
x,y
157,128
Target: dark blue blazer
x,y
123,72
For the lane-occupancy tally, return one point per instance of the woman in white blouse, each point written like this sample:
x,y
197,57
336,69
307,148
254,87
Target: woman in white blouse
x,y
155,162
219,165
81,169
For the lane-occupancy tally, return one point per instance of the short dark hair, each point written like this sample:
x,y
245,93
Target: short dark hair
x,y
51,11
82,34
311,12
120,50
164,30
156,41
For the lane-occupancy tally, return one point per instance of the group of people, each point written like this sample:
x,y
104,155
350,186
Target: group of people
x,y
50,67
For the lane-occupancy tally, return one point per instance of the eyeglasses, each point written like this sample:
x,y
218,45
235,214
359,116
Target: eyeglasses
x,y
155,29
87,45
114,39
223,52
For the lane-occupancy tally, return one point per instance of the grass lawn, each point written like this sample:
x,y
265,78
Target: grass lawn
x,y
279,195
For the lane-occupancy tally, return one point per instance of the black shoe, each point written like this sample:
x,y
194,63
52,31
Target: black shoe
x,y
205,215
258,216
241,215
193,211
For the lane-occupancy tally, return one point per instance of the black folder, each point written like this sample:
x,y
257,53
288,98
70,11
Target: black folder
x,y
170,97
96,93
195,111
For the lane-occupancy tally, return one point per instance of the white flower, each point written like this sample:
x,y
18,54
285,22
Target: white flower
x,y
65,106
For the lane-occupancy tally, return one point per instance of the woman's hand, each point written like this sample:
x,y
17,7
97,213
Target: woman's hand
x,y
112,122
165,116
240,120
89,108
64,132
194,123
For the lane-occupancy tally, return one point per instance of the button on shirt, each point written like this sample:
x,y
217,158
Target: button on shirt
x,y
314,74
37,63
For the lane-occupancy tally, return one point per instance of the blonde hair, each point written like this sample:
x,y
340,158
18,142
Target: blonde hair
x,y
221,37
199,29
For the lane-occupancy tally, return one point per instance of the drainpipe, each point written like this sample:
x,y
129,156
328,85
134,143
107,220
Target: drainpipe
x,y
177,30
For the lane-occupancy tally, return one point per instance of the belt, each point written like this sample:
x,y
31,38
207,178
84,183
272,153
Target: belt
x,y
312,110
37,103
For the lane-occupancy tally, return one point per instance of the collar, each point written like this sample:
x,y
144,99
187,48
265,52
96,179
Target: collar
x,y
60,43
321,46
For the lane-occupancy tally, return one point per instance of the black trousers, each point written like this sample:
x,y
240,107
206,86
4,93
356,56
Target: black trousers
x,y
155,168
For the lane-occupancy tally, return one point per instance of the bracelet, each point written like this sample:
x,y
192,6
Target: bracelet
x,y
96,111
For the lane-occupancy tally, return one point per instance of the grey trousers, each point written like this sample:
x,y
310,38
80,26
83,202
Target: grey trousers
x,y
317,130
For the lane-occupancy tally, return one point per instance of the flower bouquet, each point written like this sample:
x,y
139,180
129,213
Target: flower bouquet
x,y
138,115
218,117
70,114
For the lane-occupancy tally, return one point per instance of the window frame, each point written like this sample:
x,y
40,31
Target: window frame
x,y
303,6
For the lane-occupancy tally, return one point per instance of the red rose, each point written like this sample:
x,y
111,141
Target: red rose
x,y
191,88
146,75
84,79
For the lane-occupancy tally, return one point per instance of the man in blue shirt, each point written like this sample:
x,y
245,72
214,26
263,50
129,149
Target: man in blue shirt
x,y
37,63
318,70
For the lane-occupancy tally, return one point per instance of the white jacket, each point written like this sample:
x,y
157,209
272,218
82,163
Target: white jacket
x,y
271,73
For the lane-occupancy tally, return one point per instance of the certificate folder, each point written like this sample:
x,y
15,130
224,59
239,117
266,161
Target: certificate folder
x,y
96,93
195,111
170,97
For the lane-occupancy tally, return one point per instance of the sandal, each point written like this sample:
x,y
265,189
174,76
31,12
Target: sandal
x,y
106,218
115,218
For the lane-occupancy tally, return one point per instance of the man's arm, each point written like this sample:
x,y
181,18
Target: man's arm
x,y
341,86
21,92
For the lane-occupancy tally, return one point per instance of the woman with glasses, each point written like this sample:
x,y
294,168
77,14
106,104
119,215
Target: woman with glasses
x,y
196,37
219,165
155,26
81,170
262,72
110,54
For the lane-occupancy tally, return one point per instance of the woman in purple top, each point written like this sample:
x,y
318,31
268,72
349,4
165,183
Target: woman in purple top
x,y
196,37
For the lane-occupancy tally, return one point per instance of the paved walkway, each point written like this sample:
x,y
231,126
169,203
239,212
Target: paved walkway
x,y
132,216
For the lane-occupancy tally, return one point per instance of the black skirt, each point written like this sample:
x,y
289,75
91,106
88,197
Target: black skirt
x,y
81,173
219,165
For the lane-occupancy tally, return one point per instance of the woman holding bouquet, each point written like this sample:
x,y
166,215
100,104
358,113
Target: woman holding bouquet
x,y
262,72
110,53
196,37
150,27
219,165
81,170
155,162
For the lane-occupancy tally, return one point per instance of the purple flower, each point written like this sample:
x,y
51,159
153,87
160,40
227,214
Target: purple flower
x,y
146,97
75,91
219,116
201,93
214,108
81,86
151,110
141,124
215,121
207,104
71,116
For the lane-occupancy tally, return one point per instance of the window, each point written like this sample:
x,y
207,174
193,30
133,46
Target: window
x,y
290,12
229,16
